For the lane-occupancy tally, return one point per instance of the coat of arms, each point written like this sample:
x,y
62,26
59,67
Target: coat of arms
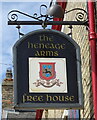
x,y
47,75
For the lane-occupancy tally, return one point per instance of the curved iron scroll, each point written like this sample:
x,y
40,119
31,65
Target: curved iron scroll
x,y
80,16
13,16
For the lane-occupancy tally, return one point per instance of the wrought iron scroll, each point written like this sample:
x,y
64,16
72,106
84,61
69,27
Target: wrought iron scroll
x,y
81,15
14,15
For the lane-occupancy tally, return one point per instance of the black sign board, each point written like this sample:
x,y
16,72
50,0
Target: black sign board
x,y
47,71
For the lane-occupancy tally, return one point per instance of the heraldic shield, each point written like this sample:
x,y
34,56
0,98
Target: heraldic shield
x,y
47,70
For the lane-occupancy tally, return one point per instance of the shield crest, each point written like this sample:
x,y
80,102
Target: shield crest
x,y
47,70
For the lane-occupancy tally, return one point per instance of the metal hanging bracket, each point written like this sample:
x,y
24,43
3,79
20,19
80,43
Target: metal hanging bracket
x,y
44,19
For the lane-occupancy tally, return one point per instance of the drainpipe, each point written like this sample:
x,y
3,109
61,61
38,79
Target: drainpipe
x,y
56,27
92,41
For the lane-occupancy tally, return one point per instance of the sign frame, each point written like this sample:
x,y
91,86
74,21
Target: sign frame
x,y
30,106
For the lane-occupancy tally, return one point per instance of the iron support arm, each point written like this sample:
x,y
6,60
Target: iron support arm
x,y
47,23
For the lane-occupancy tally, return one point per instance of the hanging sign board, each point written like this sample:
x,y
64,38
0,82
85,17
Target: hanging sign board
x,y
47,71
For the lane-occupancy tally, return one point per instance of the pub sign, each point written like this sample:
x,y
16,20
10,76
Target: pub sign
x,y
47,71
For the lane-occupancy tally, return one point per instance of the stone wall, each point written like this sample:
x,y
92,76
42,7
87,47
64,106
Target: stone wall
x,y
7,94
8,105
80,35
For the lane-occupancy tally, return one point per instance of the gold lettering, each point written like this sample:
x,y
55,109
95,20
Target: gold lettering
x,y
35,45
49,98
41,38
56,53
67,98
28,45
46,46
37,53
29,98
35,98
61,98
42,53
46,53
32,98
51,38
40,98
62,46
32,45
55,98
71,98
41,45
24,98
45,38
49,53
51,46
57,46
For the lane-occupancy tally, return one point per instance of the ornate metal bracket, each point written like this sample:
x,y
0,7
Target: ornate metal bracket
x,y
14,15
82,15
44,20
